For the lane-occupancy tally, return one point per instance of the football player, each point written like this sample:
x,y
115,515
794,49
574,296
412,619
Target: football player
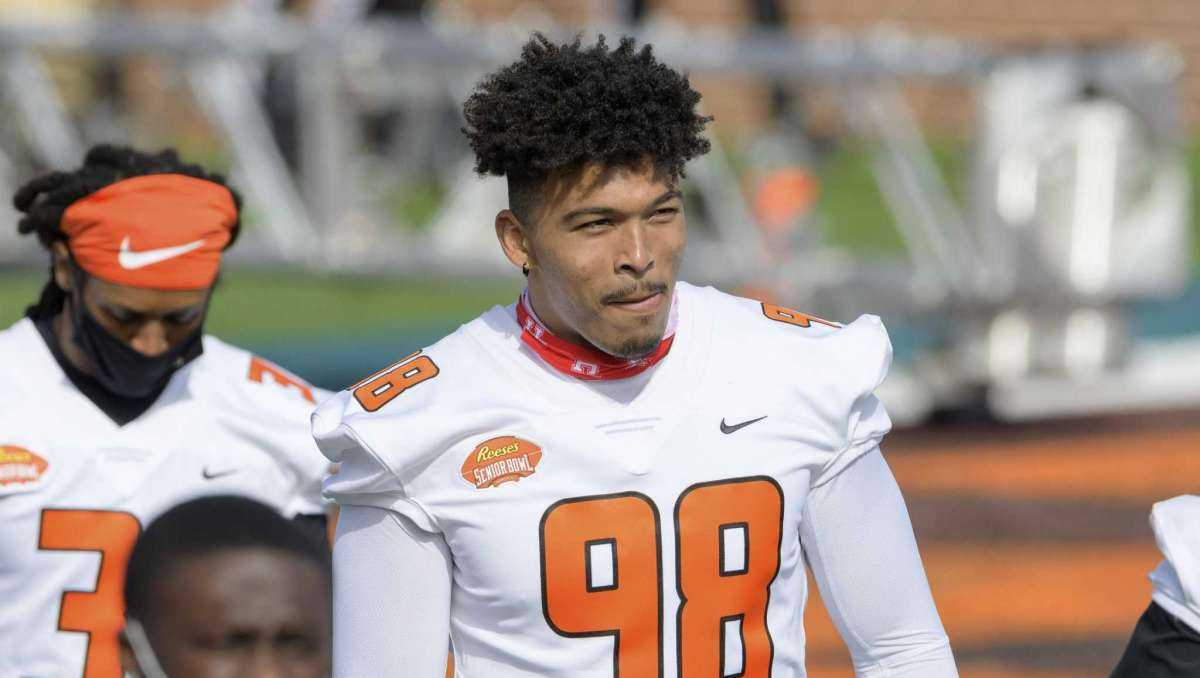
x,y
620,474
225,586
114,405
1166,639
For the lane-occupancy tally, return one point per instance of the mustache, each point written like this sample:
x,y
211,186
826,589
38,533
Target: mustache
x,y
643,290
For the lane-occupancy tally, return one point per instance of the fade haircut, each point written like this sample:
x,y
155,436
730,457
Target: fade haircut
x,y
560,107
209,525
43,200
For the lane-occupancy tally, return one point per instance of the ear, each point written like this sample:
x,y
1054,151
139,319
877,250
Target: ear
x,y
511,234
62,264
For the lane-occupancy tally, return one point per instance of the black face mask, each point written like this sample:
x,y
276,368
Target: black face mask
x,y
121,369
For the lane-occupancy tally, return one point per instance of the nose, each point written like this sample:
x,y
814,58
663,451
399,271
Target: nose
x,y
267,664
269,670
635,256
150,339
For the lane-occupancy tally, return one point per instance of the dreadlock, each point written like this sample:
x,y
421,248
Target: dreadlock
x,y
44,199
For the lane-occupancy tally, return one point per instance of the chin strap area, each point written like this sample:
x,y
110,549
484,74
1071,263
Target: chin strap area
x,y
147,661
585,362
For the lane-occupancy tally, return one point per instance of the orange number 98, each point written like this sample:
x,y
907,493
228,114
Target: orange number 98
x,y
602,567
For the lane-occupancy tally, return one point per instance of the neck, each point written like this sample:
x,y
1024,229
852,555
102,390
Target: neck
x,y
64,333
553,322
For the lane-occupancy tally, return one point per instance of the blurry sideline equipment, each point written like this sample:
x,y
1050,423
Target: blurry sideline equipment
x,y
1078,199
1081,200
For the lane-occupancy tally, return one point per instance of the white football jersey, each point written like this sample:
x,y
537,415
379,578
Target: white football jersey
x,y
599,534
76,489
1176,580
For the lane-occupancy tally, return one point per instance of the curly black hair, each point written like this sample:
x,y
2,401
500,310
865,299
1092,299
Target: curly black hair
x,y
560,107
44,199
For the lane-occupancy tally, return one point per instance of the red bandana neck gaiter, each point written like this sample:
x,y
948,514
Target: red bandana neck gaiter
x,y
585,362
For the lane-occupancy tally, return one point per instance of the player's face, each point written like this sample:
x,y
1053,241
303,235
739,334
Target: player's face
x,y
604,255
245,612
149,321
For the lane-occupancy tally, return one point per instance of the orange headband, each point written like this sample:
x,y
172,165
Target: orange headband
x,y
158,231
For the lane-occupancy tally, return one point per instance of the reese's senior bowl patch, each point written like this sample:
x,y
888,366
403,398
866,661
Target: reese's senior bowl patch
x,y
500,460
19,466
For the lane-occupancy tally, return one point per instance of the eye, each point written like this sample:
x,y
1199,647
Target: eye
x,y
237,640
182,317
121,316
594,225
666,212
296,643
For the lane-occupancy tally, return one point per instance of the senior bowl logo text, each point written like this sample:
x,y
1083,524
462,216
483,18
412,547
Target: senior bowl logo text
x,y
19,466
500,460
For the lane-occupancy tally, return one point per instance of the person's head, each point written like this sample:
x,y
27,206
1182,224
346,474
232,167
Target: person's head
x,y
593,142
135,241
225,586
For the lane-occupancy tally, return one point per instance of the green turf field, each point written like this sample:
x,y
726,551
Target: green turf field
x,y
260,305
274,306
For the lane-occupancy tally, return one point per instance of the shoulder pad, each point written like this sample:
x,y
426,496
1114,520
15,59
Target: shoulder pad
x,y
251,380
408,410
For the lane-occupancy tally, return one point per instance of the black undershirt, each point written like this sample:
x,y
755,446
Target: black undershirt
x,y
1162,646
120,409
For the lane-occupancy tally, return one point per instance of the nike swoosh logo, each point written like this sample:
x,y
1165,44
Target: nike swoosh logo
x,y
130,260
208,475
727,429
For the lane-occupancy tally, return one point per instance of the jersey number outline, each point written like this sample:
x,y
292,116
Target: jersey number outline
x,y
384,386
100,613
260,368
791,317
714,599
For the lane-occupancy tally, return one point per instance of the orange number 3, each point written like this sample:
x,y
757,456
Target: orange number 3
x,y
260,368
602,565
99,612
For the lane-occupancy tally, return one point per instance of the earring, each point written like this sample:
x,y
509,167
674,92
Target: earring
x,y
525,269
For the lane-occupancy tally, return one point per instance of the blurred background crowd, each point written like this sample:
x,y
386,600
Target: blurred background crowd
x,y
1008,183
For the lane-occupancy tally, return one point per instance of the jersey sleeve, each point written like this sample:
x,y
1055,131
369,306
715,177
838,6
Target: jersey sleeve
x,y
288,401
859,544
858,357
387,572
269,407
1176,581
364,477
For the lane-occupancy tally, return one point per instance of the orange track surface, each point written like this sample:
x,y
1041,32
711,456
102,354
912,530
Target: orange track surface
x,y
1127,466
